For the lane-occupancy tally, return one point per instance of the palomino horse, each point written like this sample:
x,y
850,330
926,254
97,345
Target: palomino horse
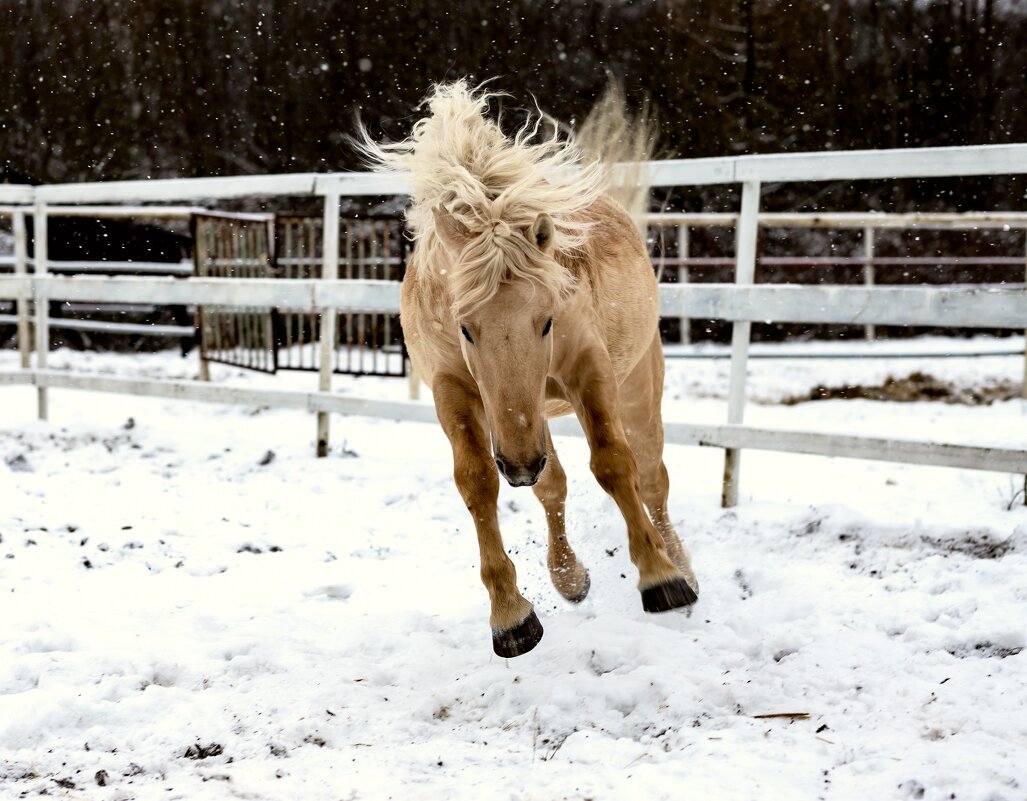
x,y
529,295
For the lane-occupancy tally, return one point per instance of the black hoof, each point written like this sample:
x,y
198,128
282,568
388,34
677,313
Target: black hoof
x,y
672,594
518,640
577,599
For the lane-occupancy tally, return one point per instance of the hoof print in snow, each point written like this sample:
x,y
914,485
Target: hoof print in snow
x,y
18,464
197,751
672,594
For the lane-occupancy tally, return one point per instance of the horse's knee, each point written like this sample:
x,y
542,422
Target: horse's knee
x,y
477,482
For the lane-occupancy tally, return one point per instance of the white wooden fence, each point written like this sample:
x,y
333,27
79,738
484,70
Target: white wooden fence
x,y
867,222
741,302
680,223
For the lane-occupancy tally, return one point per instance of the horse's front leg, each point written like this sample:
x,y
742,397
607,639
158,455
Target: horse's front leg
x,y
592,390
515,628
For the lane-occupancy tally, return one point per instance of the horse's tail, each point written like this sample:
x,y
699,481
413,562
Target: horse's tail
x,y
612,135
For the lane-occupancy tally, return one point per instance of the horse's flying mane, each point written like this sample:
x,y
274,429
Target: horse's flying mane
x,y
496,185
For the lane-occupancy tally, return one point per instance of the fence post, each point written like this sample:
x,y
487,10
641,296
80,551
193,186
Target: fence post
x,y
42,300
869,331
200,268
21,259
684,324
329,272
746,235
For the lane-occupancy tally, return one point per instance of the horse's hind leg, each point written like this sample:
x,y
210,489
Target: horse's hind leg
x,y
568,574
641,397
593,391
515,628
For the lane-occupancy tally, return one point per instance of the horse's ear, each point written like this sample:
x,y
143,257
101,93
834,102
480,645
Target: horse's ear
x,y
542,232
453,233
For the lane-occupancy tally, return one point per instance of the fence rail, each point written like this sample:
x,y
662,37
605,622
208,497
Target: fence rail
x,y
741,302
1005,460
912,306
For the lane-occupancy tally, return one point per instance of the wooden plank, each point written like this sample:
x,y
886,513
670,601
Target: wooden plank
x,y
690,172
1001,460
298,294
363,183
832,261
21,269
926,162
106,267
10,378
178,189
869,276
922,306
142,212
848,219
220,393
40,243
105,327
844,165
17,193
939,454
329,317
836,165
746,241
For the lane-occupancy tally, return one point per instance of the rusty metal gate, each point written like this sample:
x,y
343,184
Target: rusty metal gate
x,y
235,246
370,247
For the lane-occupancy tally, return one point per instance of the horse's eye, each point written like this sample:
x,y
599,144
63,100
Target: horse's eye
x,y
549,324
466,334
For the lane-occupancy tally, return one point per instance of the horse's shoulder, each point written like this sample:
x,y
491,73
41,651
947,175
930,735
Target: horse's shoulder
x,y
614,241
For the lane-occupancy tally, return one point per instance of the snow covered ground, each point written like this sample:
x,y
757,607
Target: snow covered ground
x,y
193,607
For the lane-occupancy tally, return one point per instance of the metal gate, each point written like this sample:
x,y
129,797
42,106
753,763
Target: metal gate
x,y
370,247
235,246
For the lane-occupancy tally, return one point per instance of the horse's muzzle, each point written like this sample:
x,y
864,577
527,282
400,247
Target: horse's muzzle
x,y
521,475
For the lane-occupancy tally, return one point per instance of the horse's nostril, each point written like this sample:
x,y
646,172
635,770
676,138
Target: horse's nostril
x,y
521,475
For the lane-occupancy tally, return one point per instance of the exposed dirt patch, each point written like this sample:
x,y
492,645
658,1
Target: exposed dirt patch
x,y
984,650
916,386
979,545
197,751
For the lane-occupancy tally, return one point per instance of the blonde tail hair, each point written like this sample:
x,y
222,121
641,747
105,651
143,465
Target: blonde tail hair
x,y
611,135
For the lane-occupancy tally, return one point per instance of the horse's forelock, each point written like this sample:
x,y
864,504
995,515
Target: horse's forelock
x,y
498,255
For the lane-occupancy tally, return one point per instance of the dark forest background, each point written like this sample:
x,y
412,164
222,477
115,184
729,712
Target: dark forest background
x,y
117,89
